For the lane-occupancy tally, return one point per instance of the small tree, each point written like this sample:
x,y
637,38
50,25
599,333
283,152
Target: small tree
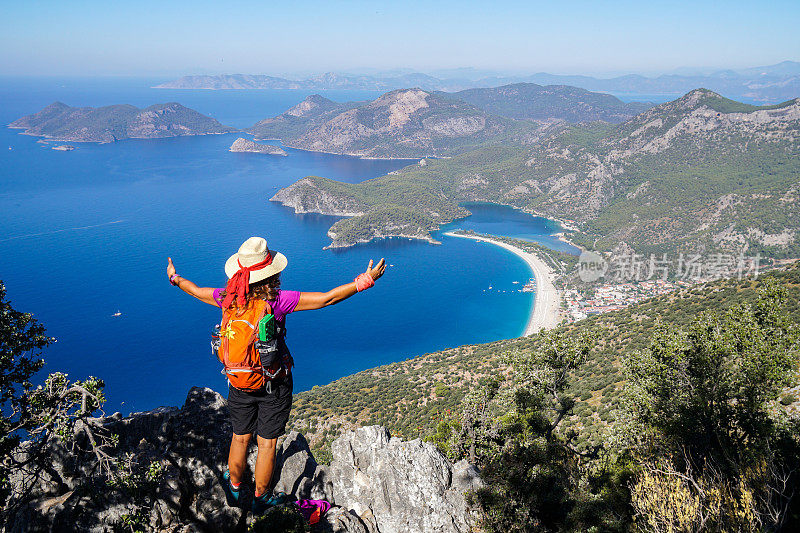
x,y
21,342
705,421
58,412
513,431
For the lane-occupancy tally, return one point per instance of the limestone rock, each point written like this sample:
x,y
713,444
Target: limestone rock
x,y
380,484
406,486
298,472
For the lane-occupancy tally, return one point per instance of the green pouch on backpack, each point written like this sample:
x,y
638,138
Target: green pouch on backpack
x,y
266,327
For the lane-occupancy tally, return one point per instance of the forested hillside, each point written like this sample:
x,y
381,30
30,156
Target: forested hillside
x,y
701,174
529,101
411,397
676,414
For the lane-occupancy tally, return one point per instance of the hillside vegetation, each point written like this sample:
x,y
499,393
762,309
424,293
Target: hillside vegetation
x,y
676,414
411,397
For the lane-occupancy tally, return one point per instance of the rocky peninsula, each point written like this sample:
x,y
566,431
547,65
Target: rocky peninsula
x,y
243,145
60,122
584,173
401,124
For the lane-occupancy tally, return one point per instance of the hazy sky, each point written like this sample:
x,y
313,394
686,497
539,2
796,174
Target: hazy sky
x,y
176,37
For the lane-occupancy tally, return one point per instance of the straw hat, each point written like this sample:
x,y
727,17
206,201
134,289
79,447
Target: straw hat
x,y
254,250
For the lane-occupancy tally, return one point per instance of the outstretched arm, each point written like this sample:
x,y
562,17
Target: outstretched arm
x,y
204,294
318,300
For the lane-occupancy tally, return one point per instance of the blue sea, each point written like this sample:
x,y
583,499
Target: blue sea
x,y
85,234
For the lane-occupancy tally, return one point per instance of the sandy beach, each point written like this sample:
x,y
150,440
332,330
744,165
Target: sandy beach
x,y
546,304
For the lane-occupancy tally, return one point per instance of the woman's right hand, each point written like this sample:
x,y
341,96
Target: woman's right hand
x,y
378,270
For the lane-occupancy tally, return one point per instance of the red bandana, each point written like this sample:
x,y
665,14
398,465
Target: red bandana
x,y
239,284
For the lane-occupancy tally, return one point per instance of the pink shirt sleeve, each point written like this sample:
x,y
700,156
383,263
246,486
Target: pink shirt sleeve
x,y
217,297
285,303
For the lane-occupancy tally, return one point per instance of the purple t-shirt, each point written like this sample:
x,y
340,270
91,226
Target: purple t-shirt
x,y
281,306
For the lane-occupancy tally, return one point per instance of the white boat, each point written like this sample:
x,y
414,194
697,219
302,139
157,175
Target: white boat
x,y
118,313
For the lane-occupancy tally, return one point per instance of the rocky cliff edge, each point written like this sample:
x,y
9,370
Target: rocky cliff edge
x,y
377,483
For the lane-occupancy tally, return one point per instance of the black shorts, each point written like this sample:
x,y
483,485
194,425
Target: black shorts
x,y
261,412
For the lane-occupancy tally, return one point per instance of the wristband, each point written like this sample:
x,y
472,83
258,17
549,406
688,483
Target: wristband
x,y
172,279
363,281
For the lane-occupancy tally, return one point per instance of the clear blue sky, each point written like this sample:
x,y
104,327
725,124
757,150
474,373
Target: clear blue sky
x,y
175,37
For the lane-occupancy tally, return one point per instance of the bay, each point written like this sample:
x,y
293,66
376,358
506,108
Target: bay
x,y
85,234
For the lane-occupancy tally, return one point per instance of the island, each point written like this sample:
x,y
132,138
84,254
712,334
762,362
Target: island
x,y
60,122
243,145
64,148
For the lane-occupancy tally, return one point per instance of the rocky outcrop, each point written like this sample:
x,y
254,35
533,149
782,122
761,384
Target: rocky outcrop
x,y
402,486
312,195
378,484
243,145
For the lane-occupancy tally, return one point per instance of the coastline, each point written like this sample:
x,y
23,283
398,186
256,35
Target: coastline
x,y
547,303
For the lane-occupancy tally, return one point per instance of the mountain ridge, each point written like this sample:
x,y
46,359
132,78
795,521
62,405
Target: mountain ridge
x,y
769,83
537,102
404,123
680,174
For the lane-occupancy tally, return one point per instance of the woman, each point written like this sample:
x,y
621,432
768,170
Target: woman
x,y
254,274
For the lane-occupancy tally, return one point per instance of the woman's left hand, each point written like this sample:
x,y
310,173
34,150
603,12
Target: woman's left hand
x,y
170,268
378,271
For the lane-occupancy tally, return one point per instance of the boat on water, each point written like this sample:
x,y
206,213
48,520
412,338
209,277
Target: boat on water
x,y
118,313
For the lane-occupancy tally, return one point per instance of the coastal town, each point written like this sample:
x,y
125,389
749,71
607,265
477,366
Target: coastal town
x,y
582,303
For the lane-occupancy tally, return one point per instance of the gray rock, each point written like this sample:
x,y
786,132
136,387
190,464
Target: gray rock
x,y
341,520
298,473
381,484
406,486
294,466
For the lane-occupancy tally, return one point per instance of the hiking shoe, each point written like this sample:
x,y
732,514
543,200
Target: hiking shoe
x,y
263,503
231,494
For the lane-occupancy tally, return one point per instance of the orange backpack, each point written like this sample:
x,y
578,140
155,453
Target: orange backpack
x,y
238,333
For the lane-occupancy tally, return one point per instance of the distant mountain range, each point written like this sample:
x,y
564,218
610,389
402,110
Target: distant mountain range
x,y
530,101
61,122
404,123
413,123
701,173
772,83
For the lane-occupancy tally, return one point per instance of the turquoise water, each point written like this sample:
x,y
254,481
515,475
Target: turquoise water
x,y
85,234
